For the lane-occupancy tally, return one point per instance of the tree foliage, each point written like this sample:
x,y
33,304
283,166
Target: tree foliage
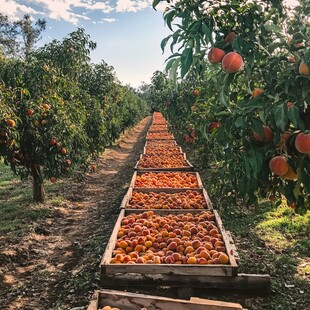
x,y
58,110
274,43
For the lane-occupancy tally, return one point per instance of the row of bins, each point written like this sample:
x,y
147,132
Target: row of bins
x,y
167,232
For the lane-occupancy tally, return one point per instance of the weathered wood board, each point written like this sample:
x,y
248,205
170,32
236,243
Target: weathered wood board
x,y
133,301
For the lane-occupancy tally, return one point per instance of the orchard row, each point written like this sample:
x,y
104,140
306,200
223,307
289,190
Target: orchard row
x,y
153,237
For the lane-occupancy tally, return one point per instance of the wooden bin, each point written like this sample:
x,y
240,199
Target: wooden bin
x,y
166,274
177,148
158,189
166,142
189,166
164,128
170,137
133,301
128,195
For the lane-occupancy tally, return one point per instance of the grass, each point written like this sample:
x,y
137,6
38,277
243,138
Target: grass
x,y
17,209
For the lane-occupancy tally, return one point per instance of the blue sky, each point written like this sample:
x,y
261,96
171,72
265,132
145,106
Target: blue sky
x,y
127,32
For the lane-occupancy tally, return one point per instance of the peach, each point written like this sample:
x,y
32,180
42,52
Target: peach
x,y
230,37
232,62
223,258
140,260
201,261
303,69
169,260
172,246
302,143
268,135
256,92
177,256
279,165
119,257
216,55
191,260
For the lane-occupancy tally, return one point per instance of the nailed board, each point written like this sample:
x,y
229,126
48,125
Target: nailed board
x,y
128,195
188,167
133,180
133,301
176,271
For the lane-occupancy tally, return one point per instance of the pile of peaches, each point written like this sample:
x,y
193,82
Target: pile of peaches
x,y
162,150
187,238
189,199
162,161
167,179
159,135
158,128
160,144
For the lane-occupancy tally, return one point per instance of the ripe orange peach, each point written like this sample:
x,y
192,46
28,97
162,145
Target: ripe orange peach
x,y
303,69
216,55
279,165
256,92
232,62
230,37
268,135
191,260
223,258
302,143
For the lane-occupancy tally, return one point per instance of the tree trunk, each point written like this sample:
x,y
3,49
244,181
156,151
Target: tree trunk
x,y
37,186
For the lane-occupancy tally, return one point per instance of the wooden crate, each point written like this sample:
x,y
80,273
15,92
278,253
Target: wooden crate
x,y
128,195
163,128
156,189
177,149
189,166
169,137
176,272
165,142
133,301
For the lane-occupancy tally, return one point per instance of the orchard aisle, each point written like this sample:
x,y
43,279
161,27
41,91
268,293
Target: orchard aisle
x,y
56,265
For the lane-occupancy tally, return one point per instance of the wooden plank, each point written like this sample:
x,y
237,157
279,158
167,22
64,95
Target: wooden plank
x,y
106,258
134,301
94,304
247,282
207,198
173,269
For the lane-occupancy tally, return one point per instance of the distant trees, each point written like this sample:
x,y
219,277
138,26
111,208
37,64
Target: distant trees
x,y
18,38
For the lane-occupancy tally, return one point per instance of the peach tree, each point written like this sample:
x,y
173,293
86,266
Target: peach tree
x,y
250,61
56,110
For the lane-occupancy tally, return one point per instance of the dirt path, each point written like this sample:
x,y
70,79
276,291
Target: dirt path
x,y
56,265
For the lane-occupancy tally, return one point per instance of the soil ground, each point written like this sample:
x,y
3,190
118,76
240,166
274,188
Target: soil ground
x,y
54,262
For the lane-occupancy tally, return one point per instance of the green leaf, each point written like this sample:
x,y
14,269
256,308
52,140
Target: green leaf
x,y
164,43
294,116
169,64
169,17
280,117
173,70
155,3
186,60
239,122
206,30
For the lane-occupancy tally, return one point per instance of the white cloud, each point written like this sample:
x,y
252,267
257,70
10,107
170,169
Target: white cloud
x,y
108,20
132,5
65,9
15,10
